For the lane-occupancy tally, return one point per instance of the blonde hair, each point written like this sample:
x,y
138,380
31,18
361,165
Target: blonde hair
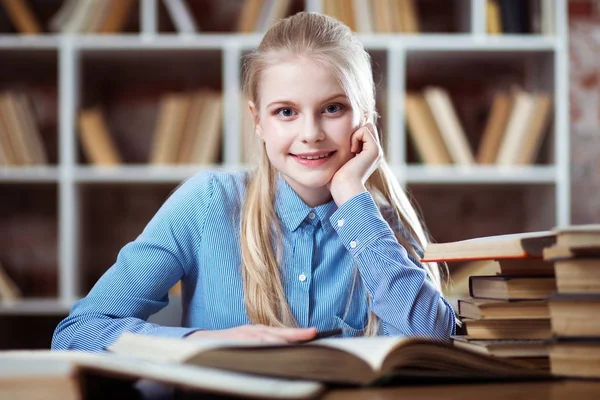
x,y
331,43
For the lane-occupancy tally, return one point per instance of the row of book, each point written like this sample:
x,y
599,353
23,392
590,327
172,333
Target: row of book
x,y
518,17
73,16
537,302
20,139
111,16
515,129
187,131
385,16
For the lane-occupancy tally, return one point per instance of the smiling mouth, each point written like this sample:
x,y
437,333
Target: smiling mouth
x,y
316,157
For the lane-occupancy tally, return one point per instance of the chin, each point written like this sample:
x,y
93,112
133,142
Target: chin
x,y
315,180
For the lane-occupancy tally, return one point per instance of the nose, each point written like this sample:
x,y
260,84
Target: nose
x,y
312,131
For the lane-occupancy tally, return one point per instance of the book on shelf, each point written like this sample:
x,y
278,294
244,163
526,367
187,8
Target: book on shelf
x,y
424,131
96,140
22,17
65,374
516,127
515,245
9,290
449,125
181,16
503,287
95,17
516,16
357,360
525,348
188,128
495,127
501,309
21,137
259,15
519,17
169,128
525,128
493,18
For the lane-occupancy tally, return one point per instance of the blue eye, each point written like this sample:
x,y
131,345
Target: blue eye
x,y
285,112
334,108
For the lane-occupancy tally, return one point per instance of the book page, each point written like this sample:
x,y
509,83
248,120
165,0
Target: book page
x,y
372,349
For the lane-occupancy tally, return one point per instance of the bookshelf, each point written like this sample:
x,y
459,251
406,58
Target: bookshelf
x,y
80,69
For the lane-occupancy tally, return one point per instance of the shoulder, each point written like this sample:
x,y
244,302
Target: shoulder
x,y
214,186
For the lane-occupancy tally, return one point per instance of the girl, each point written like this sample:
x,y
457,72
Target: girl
x,y
318,236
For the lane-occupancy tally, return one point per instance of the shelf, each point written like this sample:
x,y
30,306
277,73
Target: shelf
x,y
417,174
143,173
424,41
29,41
35,307
37,174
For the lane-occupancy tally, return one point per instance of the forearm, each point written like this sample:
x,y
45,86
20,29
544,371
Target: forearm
x,y
401,295
95,323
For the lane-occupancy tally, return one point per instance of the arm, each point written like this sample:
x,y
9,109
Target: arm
x,y
137,285
402,297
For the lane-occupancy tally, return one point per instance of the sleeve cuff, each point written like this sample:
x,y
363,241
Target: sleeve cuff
x,y
358,223
172,331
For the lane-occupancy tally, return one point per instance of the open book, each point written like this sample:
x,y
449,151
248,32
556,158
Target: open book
x,y
358,360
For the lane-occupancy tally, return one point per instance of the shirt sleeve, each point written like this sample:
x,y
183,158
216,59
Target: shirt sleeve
x,y
137,284
402,297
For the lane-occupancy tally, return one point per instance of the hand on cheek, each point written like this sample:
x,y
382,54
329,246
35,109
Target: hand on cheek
x,y
350,179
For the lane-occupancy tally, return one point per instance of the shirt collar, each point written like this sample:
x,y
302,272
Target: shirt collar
x,y
292,210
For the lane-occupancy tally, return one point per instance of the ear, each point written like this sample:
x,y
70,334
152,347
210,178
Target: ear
x,y
255,118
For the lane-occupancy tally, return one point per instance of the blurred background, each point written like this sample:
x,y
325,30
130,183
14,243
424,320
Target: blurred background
x,y
490,112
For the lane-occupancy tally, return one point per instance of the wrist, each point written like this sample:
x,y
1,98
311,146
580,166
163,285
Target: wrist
x,y
343,192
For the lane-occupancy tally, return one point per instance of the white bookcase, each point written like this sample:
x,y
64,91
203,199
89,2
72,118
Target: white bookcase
x,y
397,51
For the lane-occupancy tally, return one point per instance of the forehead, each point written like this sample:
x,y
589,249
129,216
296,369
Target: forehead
x,y
298,80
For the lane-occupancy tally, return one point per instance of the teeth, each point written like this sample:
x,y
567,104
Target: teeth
x,y
314,157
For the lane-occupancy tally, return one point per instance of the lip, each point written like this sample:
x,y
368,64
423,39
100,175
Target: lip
x,y
312,154
313,163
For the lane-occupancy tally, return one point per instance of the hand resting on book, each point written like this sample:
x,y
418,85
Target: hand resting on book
x,y
261,333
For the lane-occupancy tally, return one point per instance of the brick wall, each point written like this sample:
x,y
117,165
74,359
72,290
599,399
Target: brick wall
x,y
584,70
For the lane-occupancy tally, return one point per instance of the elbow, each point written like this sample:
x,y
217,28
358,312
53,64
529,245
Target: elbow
x,y
64,335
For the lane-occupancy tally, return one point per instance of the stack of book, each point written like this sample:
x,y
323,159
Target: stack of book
x,y
507,313
574,309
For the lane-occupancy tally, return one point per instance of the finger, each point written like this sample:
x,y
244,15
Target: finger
x,y
373,132
293,333
357,140
272,338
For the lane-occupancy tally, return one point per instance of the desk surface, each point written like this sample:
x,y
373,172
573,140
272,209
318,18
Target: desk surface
x,y
566,389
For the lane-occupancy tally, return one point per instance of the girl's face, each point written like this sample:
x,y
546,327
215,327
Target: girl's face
x,y
305,120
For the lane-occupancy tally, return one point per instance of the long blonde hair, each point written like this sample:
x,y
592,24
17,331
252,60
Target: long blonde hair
x,y
326,41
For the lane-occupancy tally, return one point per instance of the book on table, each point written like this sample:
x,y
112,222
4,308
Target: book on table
x,y
502,309
65,375
510,246
354,361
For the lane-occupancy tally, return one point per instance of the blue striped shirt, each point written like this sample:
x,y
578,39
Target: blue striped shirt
x,y
195,237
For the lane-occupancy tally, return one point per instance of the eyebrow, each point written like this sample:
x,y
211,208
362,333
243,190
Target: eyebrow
x,y
282,102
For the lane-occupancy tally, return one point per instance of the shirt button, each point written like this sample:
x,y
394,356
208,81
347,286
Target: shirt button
x,y
302,277
353,244
340,222
311,215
